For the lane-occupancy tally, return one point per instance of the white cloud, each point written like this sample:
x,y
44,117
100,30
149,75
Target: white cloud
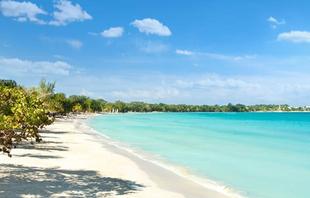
x,y
204,88
20,66
151,26
113,32
67,12
184,52
22,11
295,36
216,81
275,22
74,43
216,56
146,94
276,88
228,57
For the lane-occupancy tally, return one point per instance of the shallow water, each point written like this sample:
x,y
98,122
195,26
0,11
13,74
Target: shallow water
x,y
262,155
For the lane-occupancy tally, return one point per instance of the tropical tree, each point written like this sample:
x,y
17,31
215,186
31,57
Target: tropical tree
x,y
77,108
8,83
22,114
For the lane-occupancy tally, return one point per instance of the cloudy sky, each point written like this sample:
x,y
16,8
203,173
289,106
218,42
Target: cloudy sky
x,y
178,51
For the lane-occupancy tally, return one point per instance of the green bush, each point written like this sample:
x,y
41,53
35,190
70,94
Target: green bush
x,y
22,114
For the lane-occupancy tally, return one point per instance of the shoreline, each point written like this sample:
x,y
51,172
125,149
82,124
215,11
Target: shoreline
x,y
75,161
157,112
144,160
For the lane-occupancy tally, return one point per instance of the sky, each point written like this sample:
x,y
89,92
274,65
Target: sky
x,y
177,51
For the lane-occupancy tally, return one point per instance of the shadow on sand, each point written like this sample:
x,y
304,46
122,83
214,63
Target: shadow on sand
x,y
53,132
42,147
17,181
39,156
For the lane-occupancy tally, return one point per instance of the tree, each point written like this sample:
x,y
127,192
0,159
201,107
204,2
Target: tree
x,y
22,114
45,92
8,83
120,106
77,108
88,105
46,89
58,103
96,105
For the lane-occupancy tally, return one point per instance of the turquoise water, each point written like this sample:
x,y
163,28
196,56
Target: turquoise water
x,y
263,155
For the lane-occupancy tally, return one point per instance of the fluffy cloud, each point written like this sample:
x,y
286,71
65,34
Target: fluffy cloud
x,y
275,22
151,26
67,12
184,52
113,32
75,43
295,36
22,11
20,66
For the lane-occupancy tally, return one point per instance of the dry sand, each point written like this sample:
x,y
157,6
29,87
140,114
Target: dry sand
x,y
73,161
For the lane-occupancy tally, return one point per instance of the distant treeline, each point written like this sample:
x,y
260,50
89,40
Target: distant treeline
x,y
60,104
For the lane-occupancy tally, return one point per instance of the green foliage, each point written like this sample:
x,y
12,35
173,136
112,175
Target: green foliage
x,y
77,108
45,92
119,106
22,114
8,83
46,89
58,103
85,104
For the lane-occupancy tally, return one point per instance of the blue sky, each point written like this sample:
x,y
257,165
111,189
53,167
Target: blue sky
x,y
194,52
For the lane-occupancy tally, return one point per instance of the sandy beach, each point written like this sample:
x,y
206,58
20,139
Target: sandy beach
x,y
73,161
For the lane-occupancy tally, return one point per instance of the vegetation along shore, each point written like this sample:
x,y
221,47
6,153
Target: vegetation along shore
x,y
23,111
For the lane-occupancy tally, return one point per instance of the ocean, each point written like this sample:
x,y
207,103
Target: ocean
x,y
258,155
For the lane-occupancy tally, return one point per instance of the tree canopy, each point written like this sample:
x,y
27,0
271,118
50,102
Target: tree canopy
x,y
22,114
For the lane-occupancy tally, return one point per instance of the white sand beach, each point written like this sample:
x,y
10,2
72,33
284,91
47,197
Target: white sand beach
x,y
73,161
